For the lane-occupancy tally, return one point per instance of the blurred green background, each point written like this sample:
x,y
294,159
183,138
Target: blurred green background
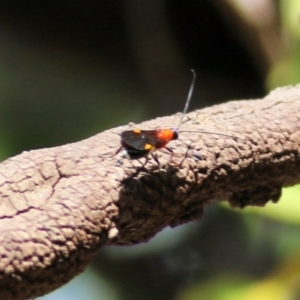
x,y
70,69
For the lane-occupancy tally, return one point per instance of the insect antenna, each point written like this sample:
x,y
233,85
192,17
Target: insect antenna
x,y
186,107
217,133
188,100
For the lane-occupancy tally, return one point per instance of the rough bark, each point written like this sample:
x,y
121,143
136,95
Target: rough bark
x,y
59,205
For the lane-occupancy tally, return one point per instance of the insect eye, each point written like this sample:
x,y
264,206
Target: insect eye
x,y
175,134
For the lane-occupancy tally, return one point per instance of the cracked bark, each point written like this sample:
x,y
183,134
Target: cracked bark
x,y
59,205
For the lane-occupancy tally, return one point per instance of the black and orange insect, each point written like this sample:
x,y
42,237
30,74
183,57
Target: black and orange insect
x,y
139,143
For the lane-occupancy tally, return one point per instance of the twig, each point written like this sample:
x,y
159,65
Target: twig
x,y
59,205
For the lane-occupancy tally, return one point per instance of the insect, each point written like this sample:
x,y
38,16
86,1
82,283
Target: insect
x,y
139,143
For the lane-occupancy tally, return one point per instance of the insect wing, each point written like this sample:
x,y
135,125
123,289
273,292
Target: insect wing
x,y
138,139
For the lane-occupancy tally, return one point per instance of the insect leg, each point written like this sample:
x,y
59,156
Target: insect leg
x,y
172,153
112,155
118,151
155,158
170,150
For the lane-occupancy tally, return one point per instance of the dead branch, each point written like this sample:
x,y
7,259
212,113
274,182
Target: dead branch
x,y
59,205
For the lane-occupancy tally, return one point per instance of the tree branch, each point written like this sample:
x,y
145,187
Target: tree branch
x,y
59,205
